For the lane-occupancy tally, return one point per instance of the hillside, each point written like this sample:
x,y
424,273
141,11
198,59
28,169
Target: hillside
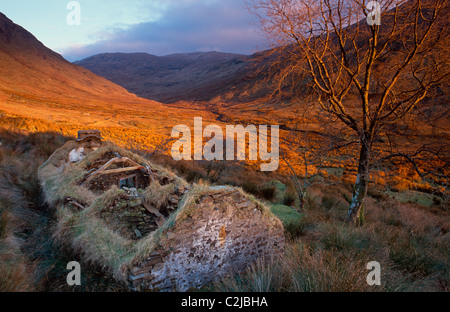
x,y
229,79
28,67
190,76
45,100
40,90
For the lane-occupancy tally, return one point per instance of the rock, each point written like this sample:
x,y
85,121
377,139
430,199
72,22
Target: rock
x,y
208,200
134,202
131,192
76,155
222,233
121,205
138,233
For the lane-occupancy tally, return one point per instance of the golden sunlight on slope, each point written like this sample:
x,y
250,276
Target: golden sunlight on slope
x,y
41,91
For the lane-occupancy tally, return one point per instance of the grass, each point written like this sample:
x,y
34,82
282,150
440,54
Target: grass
x,y
286,214
19,218
158,195
289,198
301,270
409,238
421,198
15,273
30,259
85,234
267,192
410,241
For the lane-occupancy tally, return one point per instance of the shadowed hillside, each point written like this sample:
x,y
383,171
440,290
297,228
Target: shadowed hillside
x,y
231,79
191,76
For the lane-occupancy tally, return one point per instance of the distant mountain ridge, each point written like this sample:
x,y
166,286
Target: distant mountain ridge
x,y
216,77
184,76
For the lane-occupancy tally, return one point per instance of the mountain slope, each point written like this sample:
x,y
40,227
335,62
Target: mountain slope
x,y
229,78
41,91
28,67
191,76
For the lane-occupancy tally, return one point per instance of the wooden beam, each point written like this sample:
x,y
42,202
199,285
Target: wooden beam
x,y
150,173
119,170
102,169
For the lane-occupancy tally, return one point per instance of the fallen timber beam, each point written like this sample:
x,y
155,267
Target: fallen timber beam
x,y
102,170
120,170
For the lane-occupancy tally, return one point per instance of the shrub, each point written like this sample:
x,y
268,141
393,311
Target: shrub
x,y
296,228
267,192
437,201
250,187
289,198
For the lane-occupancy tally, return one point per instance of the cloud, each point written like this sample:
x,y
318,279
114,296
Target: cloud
x,y
183,26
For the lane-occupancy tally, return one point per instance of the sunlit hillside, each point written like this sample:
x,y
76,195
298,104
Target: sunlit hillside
x,y
45,101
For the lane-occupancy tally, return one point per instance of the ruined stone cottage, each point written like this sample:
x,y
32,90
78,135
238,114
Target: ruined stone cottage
x,y
146,226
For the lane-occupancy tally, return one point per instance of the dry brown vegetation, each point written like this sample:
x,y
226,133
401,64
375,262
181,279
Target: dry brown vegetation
x,y
406,224
409,240
29,258
408,235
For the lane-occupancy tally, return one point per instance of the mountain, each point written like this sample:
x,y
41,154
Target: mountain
x,y
215,77
28,67
41,91
191,76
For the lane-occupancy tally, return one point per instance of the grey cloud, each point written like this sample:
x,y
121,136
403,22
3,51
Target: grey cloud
x,y
189,26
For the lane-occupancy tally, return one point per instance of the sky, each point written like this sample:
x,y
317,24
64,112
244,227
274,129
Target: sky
x,y
158,27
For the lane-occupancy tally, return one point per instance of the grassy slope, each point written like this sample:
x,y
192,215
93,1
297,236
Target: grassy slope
x,y
29,258
411,241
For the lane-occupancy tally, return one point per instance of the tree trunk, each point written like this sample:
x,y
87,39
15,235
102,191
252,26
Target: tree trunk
x,y
301,196
361,184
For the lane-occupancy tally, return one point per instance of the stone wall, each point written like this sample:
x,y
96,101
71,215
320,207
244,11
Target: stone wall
x,y
221,232
127,216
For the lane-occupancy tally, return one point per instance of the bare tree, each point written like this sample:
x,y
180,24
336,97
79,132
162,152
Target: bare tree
x,y
305,152
365,74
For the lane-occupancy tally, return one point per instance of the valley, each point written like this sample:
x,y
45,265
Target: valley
x,y
136,99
